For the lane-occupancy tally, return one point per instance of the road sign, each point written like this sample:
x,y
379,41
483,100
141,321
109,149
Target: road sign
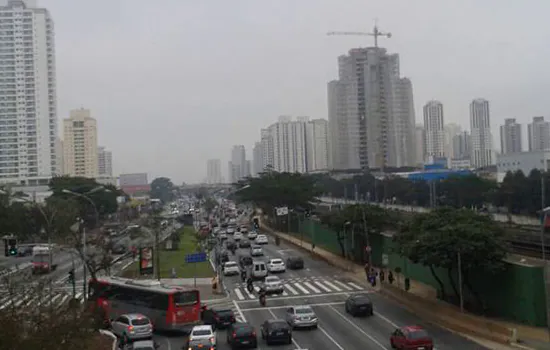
x,y
368,249
195,258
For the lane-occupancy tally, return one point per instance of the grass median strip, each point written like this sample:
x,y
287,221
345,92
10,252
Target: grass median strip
x,y
176,259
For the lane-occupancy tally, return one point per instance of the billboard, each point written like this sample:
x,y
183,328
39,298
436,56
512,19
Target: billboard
x,y
146,263
132,190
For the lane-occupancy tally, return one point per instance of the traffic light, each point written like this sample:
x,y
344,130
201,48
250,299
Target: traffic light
x,y
256,223
12,246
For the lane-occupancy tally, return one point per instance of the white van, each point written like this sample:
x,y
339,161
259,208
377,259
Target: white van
x,y
259,269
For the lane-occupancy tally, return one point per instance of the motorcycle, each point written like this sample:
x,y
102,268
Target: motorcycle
x,y
262,299
249,286
243,276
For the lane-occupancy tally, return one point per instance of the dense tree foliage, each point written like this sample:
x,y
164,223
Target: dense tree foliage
x,y
273,189
517,194
437,239
162,188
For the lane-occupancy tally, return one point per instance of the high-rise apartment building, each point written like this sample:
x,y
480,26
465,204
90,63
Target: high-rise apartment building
x,y
257,159
104,162
510,137
538,134
461,146
213,171
451,130
237,165
420,145
289,144
434,129
371,112
267,149
80,144
481,137
27,94
317,145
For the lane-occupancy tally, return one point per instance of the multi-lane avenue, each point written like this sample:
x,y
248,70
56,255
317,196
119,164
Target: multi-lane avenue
x,y
325,289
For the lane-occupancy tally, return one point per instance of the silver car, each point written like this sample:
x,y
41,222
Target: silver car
x,y
273,285
301,316
130,327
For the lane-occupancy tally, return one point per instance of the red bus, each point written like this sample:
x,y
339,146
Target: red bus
x,y
170,308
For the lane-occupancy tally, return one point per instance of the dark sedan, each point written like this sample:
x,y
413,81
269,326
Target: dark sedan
x,y
242,335
276,331
295,263
359,305
218,317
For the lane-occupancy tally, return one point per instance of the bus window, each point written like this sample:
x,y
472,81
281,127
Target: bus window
x,y
160,301
186,298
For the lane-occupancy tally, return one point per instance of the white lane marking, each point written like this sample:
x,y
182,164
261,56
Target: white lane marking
x,y
346,287
336,288
302,296
57,296
286,306
78,295
292,290
239,294
285,293
355,286
358,328
239,310
250,295
293,341
168,342
305,291
64,300
312,287
386,319
331,338
322,286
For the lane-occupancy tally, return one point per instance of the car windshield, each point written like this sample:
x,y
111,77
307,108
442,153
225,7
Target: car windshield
x,y
224,312
271,279
230,264
418,334
276,261
304,310
278,325
362,300
200,332
140,321
244,330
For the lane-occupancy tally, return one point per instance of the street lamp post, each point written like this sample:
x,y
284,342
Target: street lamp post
x,y
85,197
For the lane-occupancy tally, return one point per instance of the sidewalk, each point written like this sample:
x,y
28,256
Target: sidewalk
x,y
421,299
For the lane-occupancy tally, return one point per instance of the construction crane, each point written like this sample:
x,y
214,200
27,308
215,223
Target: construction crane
x,y
375,33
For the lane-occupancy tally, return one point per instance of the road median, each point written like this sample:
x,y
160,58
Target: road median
x,y
433,311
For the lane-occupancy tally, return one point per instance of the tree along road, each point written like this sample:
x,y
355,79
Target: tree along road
x,y
325,288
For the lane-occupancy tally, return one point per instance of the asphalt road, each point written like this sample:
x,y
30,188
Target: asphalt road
x,y
325,288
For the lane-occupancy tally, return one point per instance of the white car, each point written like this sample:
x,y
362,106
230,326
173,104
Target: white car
x,y
256,250
203,332
273,285
261,239
237,236
223,235
230,268
230,230
276,265
252,235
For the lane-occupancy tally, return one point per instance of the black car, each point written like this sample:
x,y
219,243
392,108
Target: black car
x,y
241,335
218,318
224,256
295,263
244,243
276,331
244,261
359,305
199,344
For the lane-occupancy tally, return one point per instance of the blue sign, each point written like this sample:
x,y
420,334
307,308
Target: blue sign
x,y
195,258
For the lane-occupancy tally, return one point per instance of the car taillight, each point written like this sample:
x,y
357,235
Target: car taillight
x,y
212,340
234,335
217,318
232,318
253,333
130,328
105,303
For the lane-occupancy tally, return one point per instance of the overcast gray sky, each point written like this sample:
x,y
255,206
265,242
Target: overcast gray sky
x,y
175,82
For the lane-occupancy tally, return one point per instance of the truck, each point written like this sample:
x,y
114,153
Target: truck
x,y
44,258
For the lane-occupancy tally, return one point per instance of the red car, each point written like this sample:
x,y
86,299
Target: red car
x,y
411,338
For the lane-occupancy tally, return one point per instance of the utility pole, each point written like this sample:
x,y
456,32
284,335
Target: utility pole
x,y
85,267
460,282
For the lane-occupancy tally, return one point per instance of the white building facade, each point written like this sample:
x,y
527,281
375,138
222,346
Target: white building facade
x,y
104,162
257,159
28,112
289,145
80,144
420,145
317,145
524,161
510,137
434,129
538,134
482,153
213,171
237,165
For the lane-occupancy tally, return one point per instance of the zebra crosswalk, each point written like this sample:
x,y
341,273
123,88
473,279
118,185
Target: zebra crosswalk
x,y
57,298
302,287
